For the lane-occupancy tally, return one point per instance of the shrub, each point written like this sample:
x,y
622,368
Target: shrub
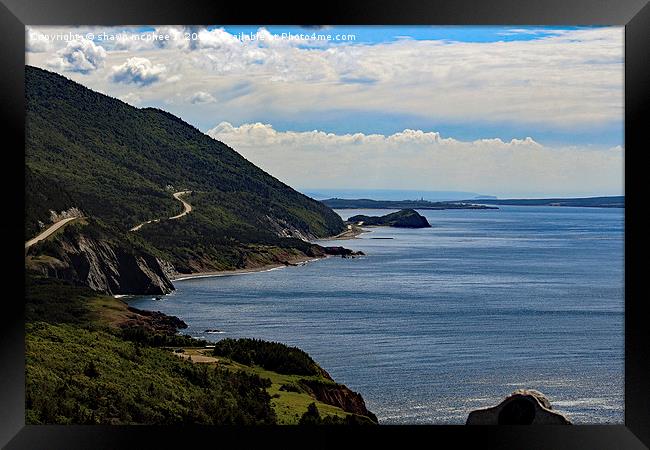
x,y
311,416
273,356
290,388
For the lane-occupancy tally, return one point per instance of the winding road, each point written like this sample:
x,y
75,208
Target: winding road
x,y
55,226
186,205
45,234
186,210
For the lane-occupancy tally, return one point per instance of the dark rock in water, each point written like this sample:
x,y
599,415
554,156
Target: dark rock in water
x,y
522,407
406,218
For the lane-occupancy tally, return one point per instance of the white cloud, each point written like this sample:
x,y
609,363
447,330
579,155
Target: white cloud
x,y
131,98
563,80
416,159
568,79
139,71
82,56
216,38
529,31
176,36
201,97
37,42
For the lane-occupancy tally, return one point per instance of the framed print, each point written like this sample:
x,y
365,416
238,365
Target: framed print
x,y
388,222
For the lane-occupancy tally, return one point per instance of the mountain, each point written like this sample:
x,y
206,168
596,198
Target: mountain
x,y
119,166
118,201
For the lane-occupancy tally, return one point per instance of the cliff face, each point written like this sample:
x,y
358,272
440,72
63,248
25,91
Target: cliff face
x,y
102,266
338,395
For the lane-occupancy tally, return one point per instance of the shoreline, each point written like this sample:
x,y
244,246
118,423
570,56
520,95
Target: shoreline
x,y
352,233
298,261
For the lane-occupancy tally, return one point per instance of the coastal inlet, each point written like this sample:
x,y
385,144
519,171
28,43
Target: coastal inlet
x,y
433,323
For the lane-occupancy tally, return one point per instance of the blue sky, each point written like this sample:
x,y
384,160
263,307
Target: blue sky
x,y
500,110
382,34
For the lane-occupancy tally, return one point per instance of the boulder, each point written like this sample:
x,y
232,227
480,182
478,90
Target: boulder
x,y
522,407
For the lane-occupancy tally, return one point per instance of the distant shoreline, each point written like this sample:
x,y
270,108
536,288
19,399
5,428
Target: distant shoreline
x,y
363,203
617,201
583,202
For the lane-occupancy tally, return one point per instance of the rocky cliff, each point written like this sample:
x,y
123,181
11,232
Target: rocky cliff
x,y
337,395
85,258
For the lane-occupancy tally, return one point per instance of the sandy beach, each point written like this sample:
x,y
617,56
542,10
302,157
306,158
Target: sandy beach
x,y
351,233
222,273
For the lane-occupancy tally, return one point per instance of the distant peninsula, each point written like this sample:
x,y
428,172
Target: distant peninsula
x,y
363,203
617,201
406,218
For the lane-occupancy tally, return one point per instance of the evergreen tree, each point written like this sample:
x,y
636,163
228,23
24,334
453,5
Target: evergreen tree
x,y
311,416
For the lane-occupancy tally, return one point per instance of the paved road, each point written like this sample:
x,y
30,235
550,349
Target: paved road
x,y
186,205
48,232
45,234
186,209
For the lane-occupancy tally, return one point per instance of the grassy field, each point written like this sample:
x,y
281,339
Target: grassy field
x,y
288,406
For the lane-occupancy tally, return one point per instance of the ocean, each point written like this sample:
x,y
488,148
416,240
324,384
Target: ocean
x,y
433,323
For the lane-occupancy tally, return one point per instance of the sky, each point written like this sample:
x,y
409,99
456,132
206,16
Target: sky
x,y
506,111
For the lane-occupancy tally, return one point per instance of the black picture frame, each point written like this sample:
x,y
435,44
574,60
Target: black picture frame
x,y
15,14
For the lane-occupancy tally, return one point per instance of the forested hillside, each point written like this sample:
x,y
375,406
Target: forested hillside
x,y
121,165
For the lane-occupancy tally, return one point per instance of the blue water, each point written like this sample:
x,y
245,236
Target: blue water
x,y
436,322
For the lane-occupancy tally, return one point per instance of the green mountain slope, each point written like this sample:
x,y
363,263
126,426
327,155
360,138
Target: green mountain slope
x,y
121,164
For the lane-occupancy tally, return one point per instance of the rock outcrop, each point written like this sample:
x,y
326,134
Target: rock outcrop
x,y
102,265
406,218
153,321
283,228
337,395
522,407
342,252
